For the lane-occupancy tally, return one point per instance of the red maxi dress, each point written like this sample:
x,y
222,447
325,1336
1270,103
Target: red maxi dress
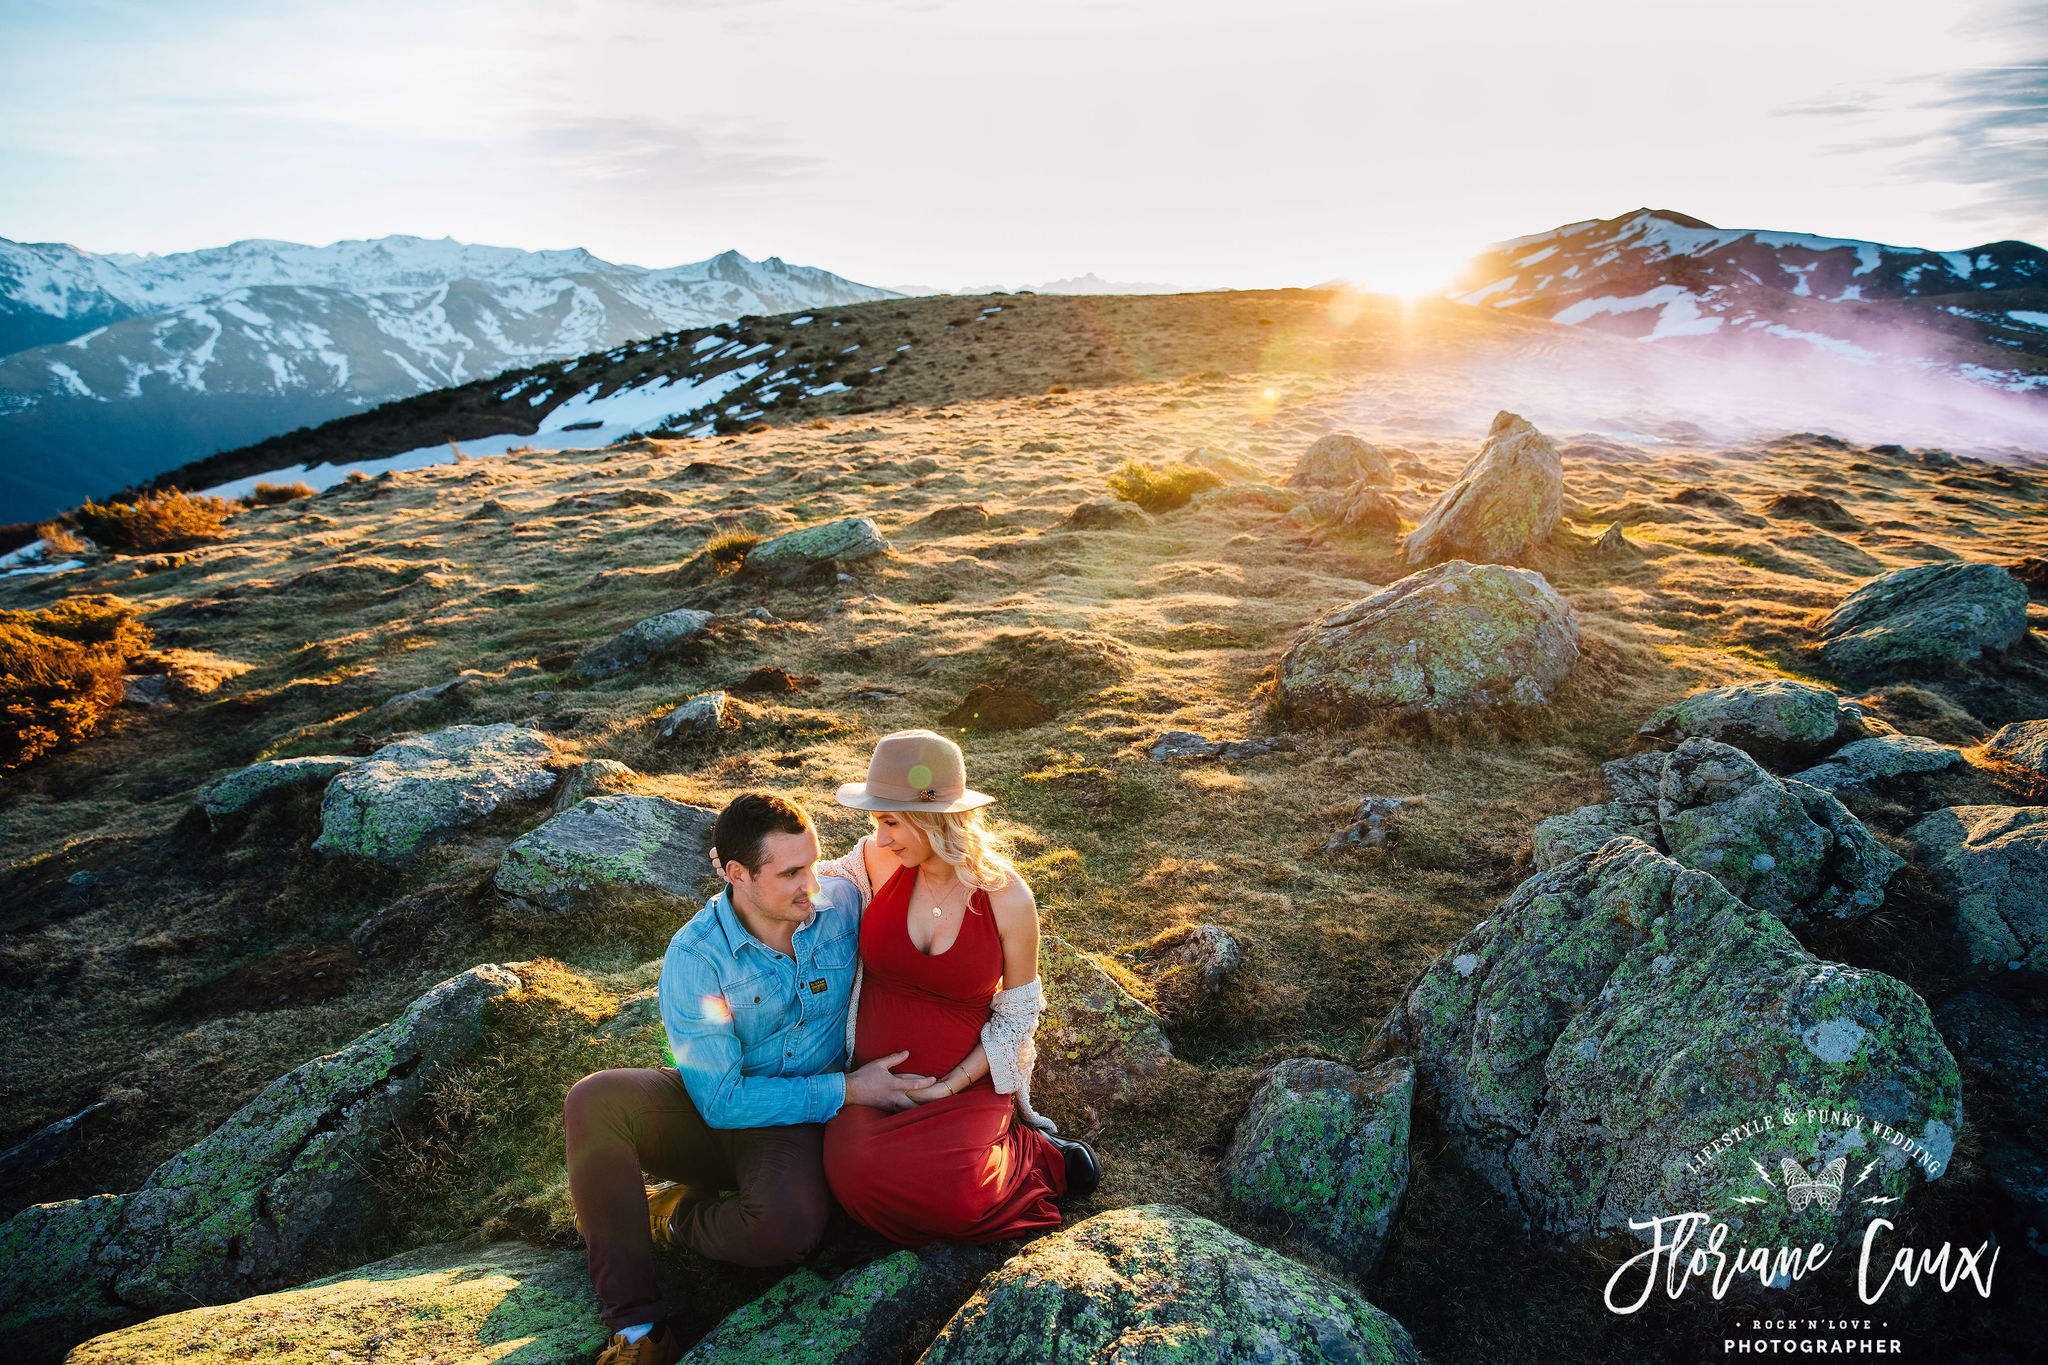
x,y
959,1169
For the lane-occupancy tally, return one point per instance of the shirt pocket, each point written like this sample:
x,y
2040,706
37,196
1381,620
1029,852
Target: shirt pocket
x,y
757,1008
836,954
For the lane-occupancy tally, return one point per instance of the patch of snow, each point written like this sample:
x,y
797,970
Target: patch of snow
x,y
81,342
1850,294
69,379
2030,319
27,554
1868,258
1680,316
1479,295
45,568
1536,257
1959,263
798,322
1847,349
709,341
834,387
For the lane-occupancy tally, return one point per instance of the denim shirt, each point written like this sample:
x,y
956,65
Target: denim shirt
x,y
759,1037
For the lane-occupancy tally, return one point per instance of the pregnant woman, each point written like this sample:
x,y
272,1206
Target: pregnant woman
x,y
949,973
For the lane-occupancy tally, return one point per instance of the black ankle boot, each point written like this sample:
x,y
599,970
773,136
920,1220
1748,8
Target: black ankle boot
x,y
1084,1171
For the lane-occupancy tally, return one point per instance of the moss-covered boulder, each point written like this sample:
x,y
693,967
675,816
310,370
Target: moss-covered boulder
x,y
243,1210
410,794
462,1301
604,845
1322,1154
1508,499
53,1290
795,554
1929,616
1774,720
700,717
2022,745
1993,862
1104,514
1338,461
260,782
1156,1283
1095,1037
638,643
597,777
875,1314
1781,845
1868,764
1623,1039
1458,637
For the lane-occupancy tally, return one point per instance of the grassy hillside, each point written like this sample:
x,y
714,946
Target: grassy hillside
x,y
150,964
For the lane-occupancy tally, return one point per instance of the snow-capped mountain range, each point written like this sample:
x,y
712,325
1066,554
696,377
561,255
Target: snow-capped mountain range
x,y
116,367
1979,315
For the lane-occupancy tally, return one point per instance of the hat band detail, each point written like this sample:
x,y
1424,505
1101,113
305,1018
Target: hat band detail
x,y
900,791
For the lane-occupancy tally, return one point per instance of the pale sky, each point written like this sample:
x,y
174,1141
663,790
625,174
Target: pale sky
x,y
955,142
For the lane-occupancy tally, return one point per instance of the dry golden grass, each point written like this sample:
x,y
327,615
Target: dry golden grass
x,y
60,673
272,494
171,520
1163,489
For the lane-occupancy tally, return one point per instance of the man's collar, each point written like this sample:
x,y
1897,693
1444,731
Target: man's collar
x,y
737,935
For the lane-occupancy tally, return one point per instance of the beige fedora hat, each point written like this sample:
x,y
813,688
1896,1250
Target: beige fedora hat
x,y
914,770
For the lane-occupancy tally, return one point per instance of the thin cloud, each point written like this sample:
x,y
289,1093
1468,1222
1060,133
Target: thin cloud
x,y
1995,138
633,148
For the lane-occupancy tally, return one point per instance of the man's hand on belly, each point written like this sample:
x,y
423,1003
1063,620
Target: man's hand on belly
x,y
876,1086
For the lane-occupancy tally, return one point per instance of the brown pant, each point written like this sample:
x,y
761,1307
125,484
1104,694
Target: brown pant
x,y
621,1123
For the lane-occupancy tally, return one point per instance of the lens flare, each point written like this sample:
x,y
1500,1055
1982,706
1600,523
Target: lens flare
x,y
716,1011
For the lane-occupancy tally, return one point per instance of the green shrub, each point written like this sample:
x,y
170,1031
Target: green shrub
x,y
60,673
171,520
1162,489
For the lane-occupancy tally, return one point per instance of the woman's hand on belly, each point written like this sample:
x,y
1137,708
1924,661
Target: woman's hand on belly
x,y
962,1075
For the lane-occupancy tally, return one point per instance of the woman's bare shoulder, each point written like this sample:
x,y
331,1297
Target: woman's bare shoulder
x,y
1013,897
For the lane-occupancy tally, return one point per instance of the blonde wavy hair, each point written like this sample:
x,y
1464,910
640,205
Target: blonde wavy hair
x,y
978,851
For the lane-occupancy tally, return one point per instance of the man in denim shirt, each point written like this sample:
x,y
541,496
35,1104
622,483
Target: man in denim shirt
x,y
753,996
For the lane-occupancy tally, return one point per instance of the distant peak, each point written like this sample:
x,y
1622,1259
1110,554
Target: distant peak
x,y
1673,216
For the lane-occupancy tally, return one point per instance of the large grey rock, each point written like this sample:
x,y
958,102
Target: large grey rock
x,y
1993,862
457,1301
1361,507
2023,745
414,792
868,1316
1156,1284
597,777
793,554
1928,616
1774,720
1186,744
1506,500
1458,637
1339,461
605,845
1781,845
1104,514
1869,763
1322,1154
260,782
1095,1037
698,718
641,641
249,1207
466,679
1607,1044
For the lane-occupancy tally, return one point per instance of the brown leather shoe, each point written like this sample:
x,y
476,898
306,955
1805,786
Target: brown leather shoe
x,y
664,1202
662,1346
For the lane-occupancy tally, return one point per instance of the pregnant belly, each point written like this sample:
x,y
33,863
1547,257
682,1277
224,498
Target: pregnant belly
x,y
937,1034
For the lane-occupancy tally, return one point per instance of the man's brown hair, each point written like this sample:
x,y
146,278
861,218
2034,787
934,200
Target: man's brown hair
x,y
747,820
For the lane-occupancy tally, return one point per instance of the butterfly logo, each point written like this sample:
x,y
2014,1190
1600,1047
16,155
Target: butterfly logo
x,y
1824,1190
